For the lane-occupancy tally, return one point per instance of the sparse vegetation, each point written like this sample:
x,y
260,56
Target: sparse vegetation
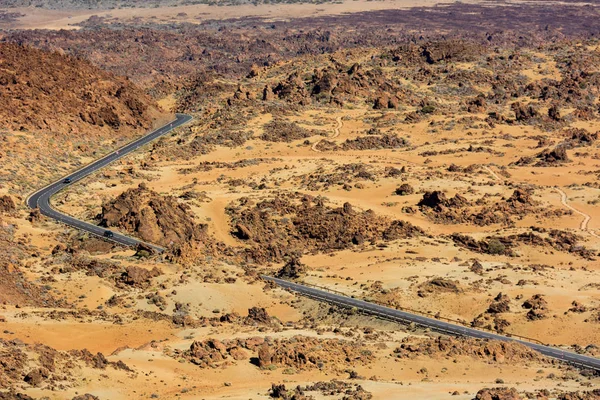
x,y
438,160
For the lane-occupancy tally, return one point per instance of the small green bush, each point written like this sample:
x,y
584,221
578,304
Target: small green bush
x,y
428,109
496,247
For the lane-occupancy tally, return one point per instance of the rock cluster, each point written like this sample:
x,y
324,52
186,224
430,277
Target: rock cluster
x,y
282,131
52,92
490,319
7,204
23,365
282,227
371,142
556,239
302,352
458,209
293,269
498,394
495,351
339,84
298,352
404,190
256,316
537,306
137,277
350,391
15,287
342,175
213,352
153,218
438,285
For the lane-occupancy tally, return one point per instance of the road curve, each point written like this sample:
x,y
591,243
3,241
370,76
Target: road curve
x,y
41,198
434,324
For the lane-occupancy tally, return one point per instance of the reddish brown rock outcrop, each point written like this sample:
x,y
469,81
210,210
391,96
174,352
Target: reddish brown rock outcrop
x,y
45,91
404,190
438,285
498,394
281,227
292,269
24,365
537,306
283,131
137,277
581,395
7,204
302,352
495,351
153,218
213,352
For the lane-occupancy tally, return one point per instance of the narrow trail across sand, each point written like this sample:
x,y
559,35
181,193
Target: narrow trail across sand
x,y
495,175
586,218
336,133
564,200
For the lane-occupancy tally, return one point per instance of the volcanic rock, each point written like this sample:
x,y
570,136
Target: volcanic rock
x,y
498,394
293,269
577,307
280,227
438,285
138,277
558,155
495,351
258,315
144,250
282,131
524,113
59,93
501,304
583,395
86,396
404,190
538,307
154,218
7,204
302,352
476,267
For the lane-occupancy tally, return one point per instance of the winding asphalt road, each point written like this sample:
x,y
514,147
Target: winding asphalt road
x,y
41,198
434,324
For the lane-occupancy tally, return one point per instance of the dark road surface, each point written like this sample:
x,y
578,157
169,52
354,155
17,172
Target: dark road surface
x,y
434,324
41,198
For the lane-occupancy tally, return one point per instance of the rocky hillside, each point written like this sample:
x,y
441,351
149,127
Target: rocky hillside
x,y
59,111
42,91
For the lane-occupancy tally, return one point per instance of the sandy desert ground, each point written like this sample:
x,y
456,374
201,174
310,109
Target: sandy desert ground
x,y
39,18
445,175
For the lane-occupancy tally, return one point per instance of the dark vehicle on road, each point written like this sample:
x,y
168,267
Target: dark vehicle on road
x,y
41,198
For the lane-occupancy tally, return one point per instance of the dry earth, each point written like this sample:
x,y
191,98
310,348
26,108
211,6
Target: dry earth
x,y
451,176
69,17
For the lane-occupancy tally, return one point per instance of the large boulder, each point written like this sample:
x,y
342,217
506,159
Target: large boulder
x,y
7,204
498,394
138,277
152,217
